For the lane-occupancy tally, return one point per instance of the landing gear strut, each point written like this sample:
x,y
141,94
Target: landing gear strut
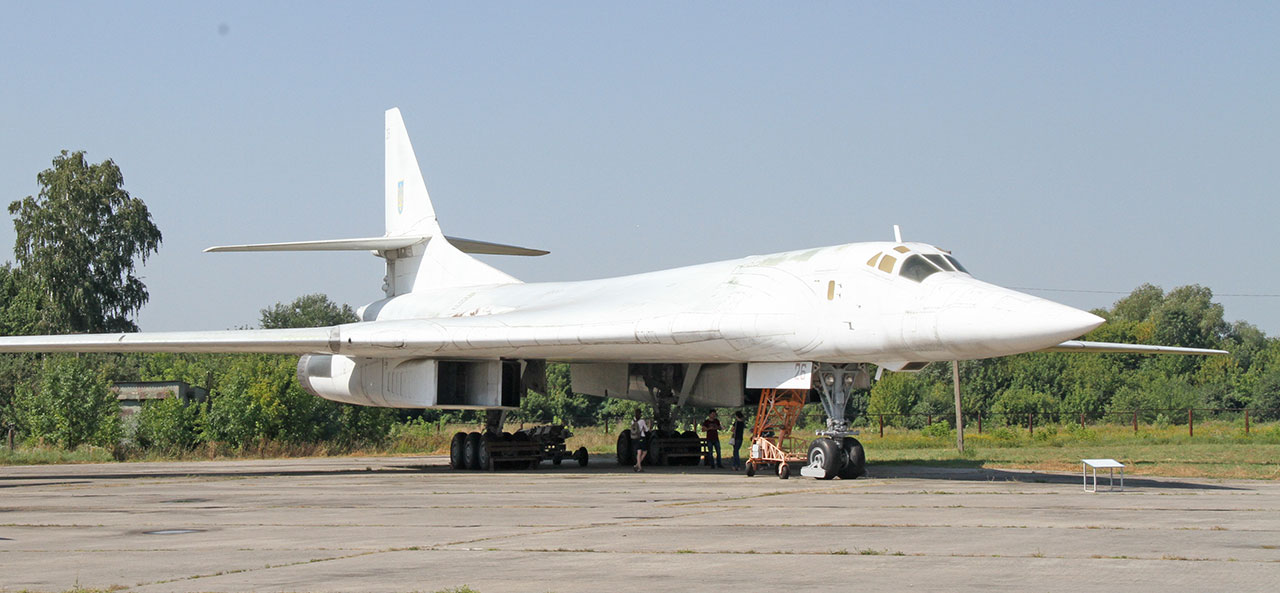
x,y
835,452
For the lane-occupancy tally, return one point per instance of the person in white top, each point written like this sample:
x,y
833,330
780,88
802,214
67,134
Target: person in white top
x,y
640,436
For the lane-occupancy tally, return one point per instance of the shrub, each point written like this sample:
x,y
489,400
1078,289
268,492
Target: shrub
x,y
70,405
168,425
937,430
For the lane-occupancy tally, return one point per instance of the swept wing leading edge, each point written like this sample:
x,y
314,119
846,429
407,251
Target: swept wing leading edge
x,y
1118,348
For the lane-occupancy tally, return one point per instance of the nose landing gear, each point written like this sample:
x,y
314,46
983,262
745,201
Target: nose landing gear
x,y
835,452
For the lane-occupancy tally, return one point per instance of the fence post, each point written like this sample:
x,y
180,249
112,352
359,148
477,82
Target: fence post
x,y
930,419
1246,422
1135,422
1191,422
1081,419
979,422
1031,422
881,426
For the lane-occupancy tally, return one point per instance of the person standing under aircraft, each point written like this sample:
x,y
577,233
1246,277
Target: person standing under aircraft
x,y
738,426
712,427
640,431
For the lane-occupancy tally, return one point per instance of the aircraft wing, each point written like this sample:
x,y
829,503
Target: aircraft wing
x,y
1118,348
272,341
491,335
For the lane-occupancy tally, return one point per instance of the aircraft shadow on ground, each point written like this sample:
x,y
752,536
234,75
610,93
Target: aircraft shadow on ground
x,y
957,470
973,471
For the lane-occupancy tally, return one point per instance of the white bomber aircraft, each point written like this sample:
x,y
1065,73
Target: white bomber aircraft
x,y
453,332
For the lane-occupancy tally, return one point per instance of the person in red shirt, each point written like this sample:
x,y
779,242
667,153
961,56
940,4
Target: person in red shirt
x,y
712,427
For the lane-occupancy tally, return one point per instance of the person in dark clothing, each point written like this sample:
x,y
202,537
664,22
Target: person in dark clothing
x,y
712,427
738,426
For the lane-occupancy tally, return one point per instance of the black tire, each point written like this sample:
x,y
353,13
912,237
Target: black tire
x,y
626,451
855,465
826,454
784,471
482,452
655,456
556,458
581,456
471,450
751,469
457,458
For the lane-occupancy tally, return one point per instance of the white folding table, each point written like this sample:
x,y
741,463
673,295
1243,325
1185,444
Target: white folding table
x,y
1094,464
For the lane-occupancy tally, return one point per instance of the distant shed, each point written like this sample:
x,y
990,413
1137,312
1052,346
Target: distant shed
x,y
132,394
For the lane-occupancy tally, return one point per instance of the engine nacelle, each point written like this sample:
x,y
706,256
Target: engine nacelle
x,y
412,383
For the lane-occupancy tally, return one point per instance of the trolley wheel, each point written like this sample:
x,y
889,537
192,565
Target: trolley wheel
x,y
784,471
855,465
826,454
751,469
457,458
626,448
581,456
471,450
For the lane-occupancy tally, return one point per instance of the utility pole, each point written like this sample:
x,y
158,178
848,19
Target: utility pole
x,y
955,380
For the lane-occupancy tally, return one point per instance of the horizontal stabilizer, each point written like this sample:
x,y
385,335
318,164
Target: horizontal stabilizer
x,y
487,248
1117,348
380,244
364,244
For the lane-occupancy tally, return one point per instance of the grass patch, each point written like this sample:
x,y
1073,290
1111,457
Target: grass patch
x,y
1219,449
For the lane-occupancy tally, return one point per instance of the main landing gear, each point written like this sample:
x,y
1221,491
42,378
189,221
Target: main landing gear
x,y
835,453
665,445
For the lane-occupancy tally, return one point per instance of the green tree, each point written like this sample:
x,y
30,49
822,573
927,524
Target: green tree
x,y
19,303
1015,403
70,405
78,240
312,310
896,394
1138,306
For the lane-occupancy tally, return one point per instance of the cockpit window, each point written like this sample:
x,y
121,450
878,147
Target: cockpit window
x,y
939,261
956,264
917,268
886,263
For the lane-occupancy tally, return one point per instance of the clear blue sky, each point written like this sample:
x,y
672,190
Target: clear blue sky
x,y
1090,146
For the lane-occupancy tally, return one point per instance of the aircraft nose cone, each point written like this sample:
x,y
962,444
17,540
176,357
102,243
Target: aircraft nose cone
x,y
1010,323
1053,322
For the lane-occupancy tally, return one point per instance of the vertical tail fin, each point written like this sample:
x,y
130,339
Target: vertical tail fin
x,y
408,206
437,263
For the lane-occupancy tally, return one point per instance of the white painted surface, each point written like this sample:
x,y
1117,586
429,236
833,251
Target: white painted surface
x,y
779,375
